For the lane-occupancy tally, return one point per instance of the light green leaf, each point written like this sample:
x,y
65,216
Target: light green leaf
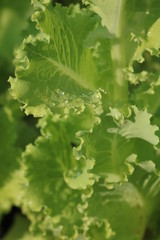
x,y
11,192
108,10
151,44
98,229
141,128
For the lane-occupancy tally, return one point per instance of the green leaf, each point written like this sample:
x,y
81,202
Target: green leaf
x,y
147,183
54,71
109,150
123,207
99,143
54,175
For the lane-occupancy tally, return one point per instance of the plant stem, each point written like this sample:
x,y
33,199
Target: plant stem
x,y
120,88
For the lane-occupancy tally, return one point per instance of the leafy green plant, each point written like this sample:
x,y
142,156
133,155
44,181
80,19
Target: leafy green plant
x,y
90,74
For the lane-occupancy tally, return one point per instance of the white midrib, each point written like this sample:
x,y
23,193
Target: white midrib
x,y
67,71
118,55
118,29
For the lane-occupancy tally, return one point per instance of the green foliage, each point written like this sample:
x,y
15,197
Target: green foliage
x,y
89,75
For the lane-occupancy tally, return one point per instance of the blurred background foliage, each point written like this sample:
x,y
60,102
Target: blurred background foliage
x,y
15,25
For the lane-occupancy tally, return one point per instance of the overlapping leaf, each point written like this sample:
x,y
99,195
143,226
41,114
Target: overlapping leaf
x,y
108,10
146,80
109,150
55,72
139,197
141,128
53,174
122,202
